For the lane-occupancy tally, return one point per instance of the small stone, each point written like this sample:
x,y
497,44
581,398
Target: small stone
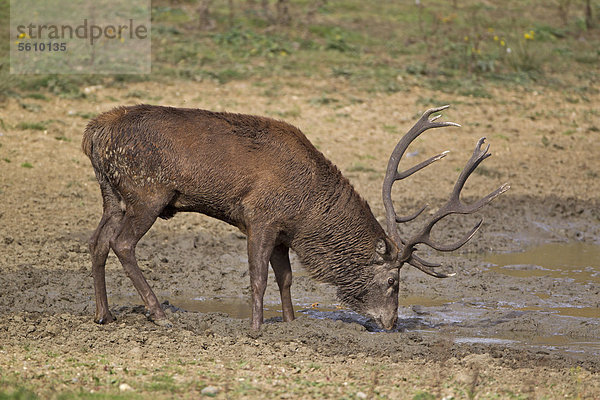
x,y
53,329
135,351
123,387
361,395
210,391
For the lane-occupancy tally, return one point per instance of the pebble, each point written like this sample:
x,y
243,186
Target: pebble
x,y
135,351
123,387
210,391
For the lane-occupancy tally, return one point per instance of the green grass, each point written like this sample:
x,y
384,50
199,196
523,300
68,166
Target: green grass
x,y
36,96
34,126
360,167
388,48
25,394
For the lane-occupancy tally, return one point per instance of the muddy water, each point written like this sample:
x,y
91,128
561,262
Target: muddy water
x,y
564,262
237,307
475,320
577,261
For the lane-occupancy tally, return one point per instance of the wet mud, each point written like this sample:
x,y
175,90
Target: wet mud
x,y
526,293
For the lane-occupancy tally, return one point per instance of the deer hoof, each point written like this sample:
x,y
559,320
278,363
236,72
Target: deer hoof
x,y
107,319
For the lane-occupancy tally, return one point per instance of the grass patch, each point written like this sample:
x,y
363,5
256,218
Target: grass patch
x,y
360,167
137,94
36,96
162,383
85,115
18,394
457,47
424,396
323,100
32,126
31,107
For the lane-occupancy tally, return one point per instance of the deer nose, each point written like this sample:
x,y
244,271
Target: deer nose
x,y
390,323
387,323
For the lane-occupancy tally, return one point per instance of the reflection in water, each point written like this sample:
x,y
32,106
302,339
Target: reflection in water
x,y
577,262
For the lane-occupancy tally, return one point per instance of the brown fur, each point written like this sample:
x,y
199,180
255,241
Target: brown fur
x,y
258,174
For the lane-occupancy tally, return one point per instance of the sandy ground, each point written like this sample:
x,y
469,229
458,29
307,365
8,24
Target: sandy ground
x,y
479,334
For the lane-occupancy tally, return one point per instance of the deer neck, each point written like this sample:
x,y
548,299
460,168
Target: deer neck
x,y
336,241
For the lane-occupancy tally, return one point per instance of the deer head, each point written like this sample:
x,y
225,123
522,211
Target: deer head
x,y
384,285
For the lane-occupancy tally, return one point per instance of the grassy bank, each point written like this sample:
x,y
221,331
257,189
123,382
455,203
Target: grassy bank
x,y
451,46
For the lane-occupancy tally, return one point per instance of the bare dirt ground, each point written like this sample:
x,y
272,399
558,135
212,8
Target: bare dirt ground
x,y
462,337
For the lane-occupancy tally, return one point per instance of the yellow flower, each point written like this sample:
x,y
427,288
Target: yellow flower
x,y
466,38
496,38
502,43
529,35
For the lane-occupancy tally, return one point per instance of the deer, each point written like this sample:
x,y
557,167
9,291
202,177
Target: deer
x,y
264,177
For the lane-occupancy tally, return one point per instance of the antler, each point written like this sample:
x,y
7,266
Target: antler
x,y
453,206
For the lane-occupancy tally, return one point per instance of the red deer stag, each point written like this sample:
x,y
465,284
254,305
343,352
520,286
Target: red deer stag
x,y
264,177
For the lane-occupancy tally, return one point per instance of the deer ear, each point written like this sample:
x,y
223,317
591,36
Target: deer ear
x,y
381,247
385,250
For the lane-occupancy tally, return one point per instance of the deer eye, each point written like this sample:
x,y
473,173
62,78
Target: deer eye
x,y
391,281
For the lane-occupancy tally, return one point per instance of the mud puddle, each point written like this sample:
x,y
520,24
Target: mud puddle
x,y
564,263
537,271
433,318
577,261
490,317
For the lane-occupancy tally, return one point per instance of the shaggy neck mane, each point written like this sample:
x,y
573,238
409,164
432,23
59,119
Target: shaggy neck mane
x,y
336,241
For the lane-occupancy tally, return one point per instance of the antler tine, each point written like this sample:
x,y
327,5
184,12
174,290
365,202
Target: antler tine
x,y
453,206
424,237
427,267
410,171
392,174
478,156
412,216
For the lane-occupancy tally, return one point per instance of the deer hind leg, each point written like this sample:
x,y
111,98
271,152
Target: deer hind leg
x,y
99,248
280,262
136,222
